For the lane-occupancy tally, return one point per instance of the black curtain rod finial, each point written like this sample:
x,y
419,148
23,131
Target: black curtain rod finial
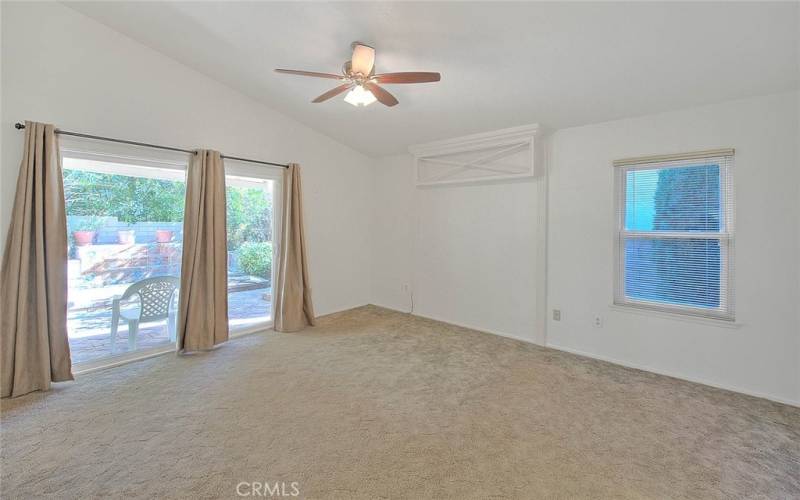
x,y
20,126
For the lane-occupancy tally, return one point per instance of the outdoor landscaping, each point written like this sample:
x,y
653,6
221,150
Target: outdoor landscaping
x,y
123,229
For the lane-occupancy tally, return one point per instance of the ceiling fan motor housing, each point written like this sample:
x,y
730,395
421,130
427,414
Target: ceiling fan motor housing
x,y
347,69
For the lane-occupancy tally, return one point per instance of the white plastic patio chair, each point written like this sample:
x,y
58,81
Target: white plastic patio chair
x,y
155,300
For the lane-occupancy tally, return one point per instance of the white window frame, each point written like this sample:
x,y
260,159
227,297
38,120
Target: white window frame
x,y
725,236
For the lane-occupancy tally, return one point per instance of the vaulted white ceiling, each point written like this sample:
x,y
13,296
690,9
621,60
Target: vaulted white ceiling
x,y
502,64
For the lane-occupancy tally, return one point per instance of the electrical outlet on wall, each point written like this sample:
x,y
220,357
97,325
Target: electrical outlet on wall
x,y
598,321
556,314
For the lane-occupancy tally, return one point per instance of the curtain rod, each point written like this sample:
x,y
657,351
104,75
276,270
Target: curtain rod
x,y
20,126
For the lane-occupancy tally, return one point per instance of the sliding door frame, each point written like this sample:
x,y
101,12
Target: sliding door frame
x,y
127,160
235,168
130,156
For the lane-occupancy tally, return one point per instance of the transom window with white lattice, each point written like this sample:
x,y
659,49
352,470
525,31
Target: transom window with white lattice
x,y
499,155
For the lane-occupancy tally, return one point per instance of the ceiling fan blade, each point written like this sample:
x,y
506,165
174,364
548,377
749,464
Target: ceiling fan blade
x,y
363,59
381,94
310,73
408,77
333,92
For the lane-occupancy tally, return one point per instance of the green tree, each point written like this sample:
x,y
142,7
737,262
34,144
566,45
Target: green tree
x,y
139,199
688,270
129,199
249,214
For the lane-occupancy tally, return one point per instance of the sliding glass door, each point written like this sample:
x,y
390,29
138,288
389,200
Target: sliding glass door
x,y
251,227
125,230
125,227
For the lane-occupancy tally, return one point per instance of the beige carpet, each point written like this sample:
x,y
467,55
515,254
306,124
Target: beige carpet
x,y
378,404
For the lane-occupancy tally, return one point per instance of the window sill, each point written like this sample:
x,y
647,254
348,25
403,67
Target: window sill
x,y
114,361
259,327
642,311
123,359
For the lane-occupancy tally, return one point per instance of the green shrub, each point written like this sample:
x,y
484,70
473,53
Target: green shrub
x,y
255,258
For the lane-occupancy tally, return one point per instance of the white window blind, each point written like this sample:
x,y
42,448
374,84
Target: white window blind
x,y
674,246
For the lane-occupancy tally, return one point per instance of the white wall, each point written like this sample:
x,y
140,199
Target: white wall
x,y
393,232
61,67
760,356
472,253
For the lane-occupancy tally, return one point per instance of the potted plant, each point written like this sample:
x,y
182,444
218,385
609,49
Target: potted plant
x,y
164,235
85,231
126,236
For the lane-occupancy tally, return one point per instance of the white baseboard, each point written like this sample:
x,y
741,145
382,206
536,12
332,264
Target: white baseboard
x,y
320,314
391,308
606,359
479,329
667,373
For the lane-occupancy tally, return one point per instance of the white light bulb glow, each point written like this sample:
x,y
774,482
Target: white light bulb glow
x,y
359,96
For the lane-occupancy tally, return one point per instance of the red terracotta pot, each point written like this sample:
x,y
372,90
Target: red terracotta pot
x,y
163,235
83,238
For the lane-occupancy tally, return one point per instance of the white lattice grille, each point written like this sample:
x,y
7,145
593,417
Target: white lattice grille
x,y
503,154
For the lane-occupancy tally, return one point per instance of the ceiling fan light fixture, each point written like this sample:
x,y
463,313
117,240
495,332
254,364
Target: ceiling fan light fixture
x,y
363,59
359,96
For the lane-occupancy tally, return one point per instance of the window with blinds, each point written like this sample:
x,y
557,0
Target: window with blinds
x,y
674,248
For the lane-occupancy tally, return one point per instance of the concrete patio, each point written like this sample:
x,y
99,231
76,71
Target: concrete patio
x,y
89,328
100,272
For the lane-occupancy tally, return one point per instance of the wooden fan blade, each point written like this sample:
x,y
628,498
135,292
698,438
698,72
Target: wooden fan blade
x,y
333,92
408,77
310,73
381,94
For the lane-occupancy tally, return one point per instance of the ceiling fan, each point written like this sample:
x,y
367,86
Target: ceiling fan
x,y
358,76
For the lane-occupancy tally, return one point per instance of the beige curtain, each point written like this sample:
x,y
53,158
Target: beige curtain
x,y
203,308
33,282
293,307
